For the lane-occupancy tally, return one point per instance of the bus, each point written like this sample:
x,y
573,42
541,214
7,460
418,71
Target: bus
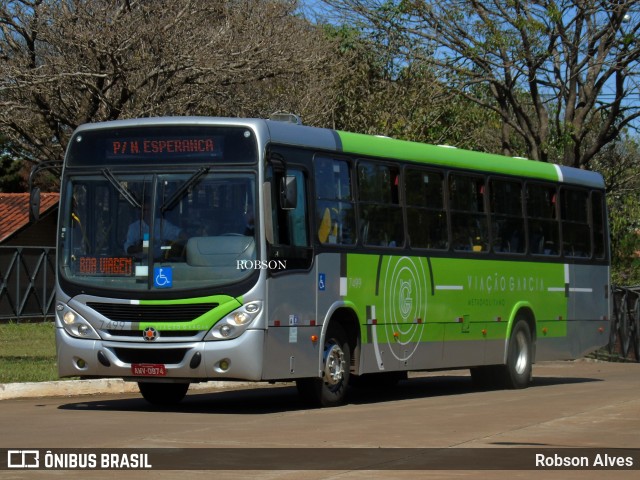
x,y
193,249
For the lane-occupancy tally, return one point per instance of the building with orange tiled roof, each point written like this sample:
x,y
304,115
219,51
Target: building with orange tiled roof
x,y
15,229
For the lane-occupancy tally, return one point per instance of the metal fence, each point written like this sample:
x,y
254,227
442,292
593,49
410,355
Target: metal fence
x,y
27,283
624,338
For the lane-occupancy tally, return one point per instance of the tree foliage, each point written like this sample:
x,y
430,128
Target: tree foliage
x,y
64,63
379,95
560,73
11,171
619,162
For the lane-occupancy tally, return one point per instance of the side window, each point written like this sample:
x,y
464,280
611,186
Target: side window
x,y
426,217
597,222
574,212
335,215
507,221
380,212
542,219
290,226
469,226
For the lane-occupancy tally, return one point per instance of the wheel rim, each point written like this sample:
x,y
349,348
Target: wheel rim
x,y
522,353
333,364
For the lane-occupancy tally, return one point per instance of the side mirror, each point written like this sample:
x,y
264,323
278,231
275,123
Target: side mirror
x,y
34,205
288,192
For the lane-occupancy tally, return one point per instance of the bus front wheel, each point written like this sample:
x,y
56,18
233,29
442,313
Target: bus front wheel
x,y
331,389
163,393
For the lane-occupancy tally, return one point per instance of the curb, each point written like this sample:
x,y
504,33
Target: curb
x,y
69,388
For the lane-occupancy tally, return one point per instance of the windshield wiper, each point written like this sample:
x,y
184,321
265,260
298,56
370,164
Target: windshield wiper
x,y
177,195
122,190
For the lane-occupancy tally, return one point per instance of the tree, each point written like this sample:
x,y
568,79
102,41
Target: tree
x,y
555,69
11,171
378,95
619,162
64,63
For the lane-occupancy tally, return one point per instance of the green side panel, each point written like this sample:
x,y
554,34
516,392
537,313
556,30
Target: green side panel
x,y
226,305
413,299
444,156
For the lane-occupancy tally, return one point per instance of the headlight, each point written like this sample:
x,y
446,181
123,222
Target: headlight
x,y
74,324
236,322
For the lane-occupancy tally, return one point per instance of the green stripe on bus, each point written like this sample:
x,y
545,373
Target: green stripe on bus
x,y
383,147
226,305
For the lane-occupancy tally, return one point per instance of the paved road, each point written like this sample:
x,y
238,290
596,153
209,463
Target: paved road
x,y
583,404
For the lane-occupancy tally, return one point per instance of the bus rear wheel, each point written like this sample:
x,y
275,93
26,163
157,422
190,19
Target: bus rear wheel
x,y
517,372
331,389
163,394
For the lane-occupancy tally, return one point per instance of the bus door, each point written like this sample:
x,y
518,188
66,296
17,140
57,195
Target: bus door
x,y
290,350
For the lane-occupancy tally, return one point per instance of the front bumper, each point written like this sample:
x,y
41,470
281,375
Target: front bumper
x,y
236,359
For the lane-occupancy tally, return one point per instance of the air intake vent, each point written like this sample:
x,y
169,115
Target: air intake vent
x,y
151,313
170,356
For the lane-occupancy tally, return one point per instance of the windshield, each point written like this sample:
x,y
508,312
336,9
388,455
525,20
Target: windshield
x,y
158,231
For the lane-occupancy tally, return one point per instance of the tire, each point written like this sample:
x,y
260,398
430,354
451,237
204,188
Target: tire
x,y
331,389
163,394
517,372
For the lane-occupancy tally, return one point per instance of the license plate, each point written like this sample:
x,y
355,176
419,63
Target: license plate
x,y
148,370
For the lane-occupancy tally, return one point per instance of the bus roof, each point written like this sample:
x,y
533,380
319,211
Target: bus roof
x,y
466,159
381,147
445,156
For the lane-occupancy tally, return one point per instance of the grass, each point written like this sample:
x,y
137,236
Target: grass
x,y
27,352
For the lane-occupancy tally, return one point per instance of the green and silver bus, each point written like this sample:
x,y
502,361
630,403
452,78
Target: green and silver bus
x,y
194,249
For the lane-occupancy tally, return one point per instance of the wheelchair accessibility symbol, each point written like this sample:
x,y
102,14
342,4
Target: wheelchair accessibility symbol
x,y
162,277
322,281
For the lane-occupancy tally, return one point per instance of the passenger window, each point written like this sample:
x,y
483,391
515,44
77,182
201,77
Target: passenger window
x,y
426,217
381,221
574,211
597,221
507,220
542,219
335,215
469,225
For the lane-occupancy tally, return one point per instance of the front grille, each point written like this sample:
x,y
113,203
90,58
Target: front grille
x,y
163,334
162,355
123,312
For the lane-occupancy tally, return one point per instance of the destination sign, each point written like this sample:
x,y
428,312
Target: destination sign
x,y
143,146
163,144
105,266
